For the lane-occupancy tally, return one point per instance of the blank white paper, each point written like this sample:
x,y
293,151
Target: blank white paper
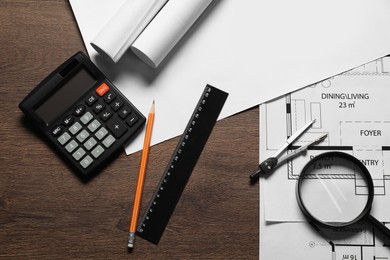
x,y
255,50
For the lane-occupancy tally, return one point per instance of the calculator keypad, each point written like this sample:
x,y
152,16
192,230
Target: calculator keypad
x,y
93,127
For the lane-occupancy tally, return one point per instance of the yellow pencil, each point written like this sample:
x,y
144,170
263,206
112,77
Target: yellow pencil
x,y
141,178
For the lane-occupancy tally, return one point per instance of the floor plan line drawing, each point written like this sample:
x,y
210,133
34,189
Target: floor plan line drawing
x,y
363,244
352,108
295,106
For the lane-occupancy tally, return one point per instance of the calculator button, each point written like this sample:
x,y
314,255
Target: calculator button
x,y
64,138
124,112
68,120
109,97
94,125
75,128
78,154
90,143
108,141
102,89
106,115
79,110
101,133
117,104
116,127
82,136
97,151
98,107
71,146
57,130
132,120
86,118
91,99
86,161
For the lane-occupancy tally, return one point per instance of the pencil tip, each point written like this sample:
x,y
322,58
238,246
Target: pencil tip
x,y
152,107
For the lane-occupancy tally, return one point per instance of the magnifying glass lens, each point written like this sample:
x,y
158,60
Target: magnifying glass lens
x,y
333,191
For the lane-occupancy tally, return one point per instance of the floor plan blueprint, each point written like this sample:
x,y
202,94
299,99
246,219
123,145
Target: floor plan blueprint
x,y
353,109
291,240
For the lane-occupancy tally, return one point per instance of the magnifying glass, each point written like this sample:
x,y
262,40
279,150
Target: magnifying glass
x,y
336,190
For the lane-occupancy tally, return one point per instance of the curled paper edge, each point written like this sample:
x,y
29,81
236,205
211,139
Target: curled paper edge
x,y
166,30
122,29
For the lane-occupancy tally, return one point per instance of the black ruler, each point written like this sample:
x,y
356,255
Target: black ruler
x,y
181,165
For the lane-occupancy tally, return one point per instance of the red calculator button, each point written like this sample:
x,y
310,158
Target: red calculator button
x,y
102,89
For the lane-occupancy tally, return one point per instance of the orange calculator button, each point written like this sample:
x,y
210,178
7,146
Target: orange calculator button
x,y
102,89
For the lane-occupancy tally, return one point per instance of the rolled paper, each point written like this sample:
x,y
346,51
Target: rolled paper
x,y
166,29
115,38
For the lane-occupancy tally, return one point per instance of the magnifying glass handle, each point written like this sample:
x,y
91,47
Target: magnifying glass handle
x,y
380,226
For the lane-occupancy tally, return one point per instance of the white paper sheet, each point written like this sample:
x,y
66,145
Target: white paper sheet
x,y
343,106
254,50
166,29
116,36
352,109
292,240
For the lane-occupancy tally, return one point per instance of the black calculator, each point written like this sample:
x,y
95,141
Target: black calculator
x,y
82,114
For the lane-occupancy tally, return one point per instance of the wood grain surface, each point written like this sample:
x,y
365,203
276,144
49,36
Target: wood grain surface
x,y
46,212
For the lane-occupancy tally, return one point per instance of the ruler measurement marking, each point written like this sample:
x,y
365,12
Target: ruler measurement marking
x,y
181,164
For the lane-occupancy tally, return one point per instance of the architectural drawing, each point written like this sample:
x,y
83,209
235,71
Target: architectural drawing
x,y
352,108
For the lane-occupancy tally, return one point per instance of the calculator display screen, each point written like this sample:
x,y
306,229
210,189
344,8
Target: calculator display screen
x,y
65,96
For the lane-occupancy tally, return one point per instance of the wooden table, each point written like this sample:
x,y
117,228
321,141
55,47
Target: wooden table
x,y
46,212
